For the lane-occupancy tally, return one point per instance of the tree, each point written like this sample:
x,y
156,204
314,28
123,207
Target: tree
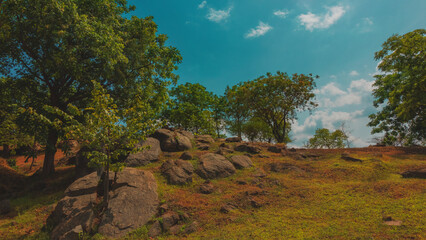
x,y
400,89
218,114
275,99
324,139
191,108
109,136
54,49
257,130
237,110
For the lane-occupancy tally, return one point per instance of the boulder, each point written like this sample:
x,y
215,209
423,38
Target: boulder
x,y
241,161
203,146
214,166
244,147
275,149
419,173
187,134
169,219
172,141
346,157
206,188
146,156
133,202
177,172
233,139
186,156
204,139
155,229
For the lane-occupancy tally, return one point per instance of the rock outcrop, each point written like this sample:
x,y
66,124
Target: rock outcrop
x,y
146,156
214,166
172,141
241,161
133,202
244,147
177,172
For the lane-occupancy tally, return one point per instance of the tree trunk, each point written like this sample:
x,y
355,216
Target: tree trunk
x,y
6,151
49,158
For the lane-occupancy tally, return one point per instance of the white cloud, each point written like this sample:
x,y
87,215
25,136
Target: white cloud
x,y
354,73
362,85
218,15
260,30
202,4
313,21
331,89
366,25
281,13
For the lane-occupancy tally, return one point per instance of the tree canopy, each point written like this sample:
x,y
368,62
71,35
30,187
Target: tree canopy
x,y
323,138
400,89
275,99
54,49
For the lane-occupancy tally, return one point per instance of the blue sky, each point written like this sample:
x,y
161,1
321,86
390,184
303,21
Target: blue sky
x,y
225,42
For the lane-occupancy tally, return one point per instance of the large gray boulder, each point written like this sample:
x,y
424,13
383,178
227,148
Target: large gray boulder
x,y
241,161
172,141
250,148
207,139
177,172
214,166
146,156
133,202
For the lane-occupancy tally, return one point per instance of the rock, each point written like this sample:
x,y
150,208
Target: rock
x,y
391,222
176,229
5,207
259,173
186,156
292,150
172,141
191,228
214,166
233,139
187,134
204,139
73,234
163,208
155,229
228,207
133,202
283,167
203,147
244,147
240,161
241,182
346,157
177,172
146,156
274,149
169,219
419,173
255,203
206,188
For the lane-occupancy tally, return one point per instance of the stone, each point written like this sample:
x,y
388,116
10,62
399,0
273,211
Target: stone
x,y
203,146
177,172
185,133
241,162
172,141
146,156
281,167
244,147
419,173
133,202
176,229
155,229
204,139
5,207
73,234
228,207
233,139
274,149
214,166
346,157
169,219
191,228
206,188
259,173
186,156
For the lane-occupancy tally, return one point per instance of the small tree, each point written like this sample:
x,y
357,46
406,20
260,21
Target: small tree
x,y
324,139
218,114
237,110
257,130
108,136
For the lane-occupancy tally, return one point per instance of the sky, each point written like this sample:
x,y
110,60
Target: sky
x,y
224,42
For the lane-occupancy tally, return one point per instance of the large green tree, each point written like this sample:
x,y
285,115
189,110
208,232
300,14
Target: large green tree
x,y
323,138
54,48
237,109
191,108
400,89
275,99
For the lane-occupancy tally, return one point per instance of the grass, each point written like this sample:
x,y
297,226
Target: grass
x,y
330,199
